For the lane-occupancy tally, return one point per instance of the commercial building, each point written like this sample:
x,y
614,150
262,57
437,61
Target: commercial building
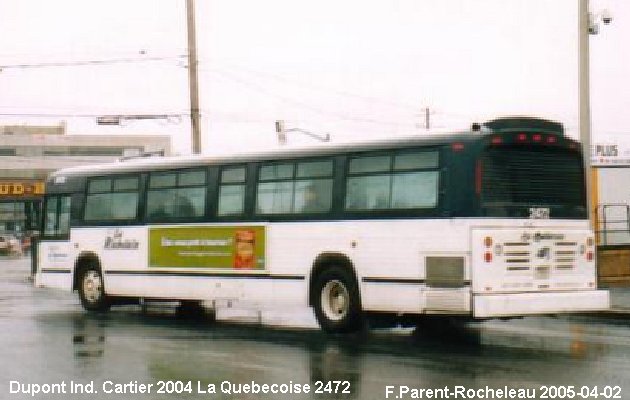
x,y
29,153
610,174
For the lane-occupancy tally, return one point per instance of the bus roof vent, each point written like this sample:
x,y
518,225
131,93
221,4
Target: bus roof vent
x,y
509,124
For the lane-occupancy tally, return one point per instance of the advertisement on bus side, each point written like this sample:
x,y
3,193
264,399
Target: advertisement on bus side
x,y
220,247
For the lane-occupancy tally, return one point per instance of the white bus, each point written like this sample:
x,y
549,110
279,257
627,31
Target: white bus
x,y
486,223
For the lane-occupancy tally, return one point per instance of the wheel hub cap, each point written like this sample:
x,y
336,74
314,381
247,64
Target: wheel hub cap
x,y
335,300
92,286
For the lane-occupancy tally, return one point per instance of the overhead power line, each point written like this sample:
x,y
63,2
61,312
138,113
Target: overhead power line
x,y
71,115
298,103
321,88
78,63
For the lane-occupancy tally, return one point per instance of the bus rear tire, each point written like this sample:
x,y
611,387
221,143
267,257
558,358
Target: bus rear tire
x,y
92,290
336,301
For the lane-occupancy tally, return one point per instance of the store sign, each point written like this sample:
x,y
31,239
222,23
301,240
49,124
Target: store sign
x,y
610,154
17,189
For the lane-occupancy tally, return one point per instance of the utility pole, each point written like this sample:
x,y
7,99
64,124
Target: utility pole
x,y
584,96
192,78
588,24
425,113
427,118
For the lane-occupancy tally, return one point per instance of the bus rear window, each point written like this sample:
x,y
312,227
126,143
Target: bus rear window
x,y
515,180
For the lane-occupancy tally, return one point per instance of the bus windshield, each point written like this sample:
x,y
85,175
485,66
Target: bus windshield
x,y
543,182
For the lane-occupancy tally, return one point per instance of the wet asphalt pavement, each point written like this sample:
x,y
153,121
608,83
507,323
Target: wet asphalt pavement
x,y
48,343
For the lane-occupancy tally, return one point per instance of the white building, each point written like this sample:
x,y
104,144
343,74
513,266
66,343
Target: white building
x,y
29,153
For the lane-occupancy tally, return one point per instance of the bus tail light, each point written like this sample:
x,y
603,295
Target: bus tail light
x,y
487,257
589,255
457,146
487,241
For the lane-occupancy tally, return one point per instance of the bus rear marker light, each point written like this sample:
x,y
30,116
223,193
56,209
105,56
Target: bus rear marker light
x,y
457,146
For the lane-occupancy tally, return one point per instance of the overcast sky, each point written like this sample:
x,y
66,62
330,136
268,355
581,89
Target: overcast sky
x,y
356,69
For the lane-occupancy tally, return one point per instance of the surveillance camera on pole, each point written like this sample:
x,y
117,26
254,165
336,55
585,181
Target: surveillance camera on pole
x,y
606,17
594,18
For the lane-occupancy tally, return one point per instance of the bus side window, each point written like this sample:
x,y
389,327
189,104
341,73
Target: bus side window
x,y
157,202
398,181
113,198
232,191
313,187
97,208
124,206
295,188
180,194
184,207
368,192
313,196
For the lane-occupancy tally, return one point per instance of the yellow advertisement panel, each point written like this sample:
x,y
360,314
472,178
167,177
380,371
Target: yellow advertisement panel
x,y
220,247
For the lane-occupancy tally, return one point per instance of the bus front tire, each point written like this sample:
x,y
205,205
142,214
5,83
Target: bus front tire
x,y
336,301
92,290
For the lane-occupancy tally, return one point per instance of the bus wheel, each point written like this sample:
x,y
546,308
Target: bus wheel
x,y
336,301
92,290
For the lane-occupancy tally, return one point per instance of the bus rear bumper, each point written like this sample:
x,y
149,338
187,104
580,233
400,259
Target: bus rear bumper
x,y
517,304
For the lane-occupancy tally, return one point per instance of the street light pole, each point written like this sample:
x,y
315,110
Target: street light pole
x,y
584,96
192,78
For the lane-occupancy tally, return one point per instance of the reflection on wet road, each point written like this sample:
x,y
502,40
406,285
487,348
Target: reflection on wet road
x,y
47,338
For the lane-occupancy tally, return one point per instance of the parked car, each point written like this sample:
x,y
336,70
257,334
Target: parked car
x,y
10,246
26,244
